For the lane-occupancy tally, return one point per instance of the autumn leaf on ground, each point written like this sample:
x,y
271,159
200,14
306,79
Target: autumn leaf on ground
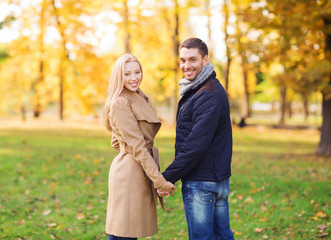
x,y
52,225
46,212
258,230
236,233
80,216
318,215
321,227
262,219
235,215
240,197
249,200
322,235
263,208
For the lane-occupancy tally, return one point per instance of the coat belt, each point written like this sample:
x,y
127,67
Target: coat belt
x,y
154,151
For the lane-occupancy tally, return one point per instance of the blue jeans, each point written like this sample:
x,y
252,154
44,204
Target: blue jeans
x,y
207,209
112,237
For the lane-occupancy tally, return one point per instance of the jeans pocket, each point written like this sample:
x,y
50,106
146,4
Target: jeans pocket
x,y
224,189
207,191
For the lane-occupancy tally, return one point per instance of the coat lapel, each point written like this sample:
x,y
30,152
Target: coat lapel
x,y
141,106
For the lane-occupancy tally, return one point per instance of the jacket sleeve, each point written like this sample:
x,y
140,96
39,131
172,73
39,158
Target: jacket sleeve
x,y
206,113
127,125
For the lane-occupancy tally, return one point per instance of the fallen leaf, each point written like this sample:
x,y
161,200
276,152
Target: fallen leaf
x,y
322,235
235,215
80,216
249,200
258,230
262,219
46,212
52,225
236,233
240,197
321,227
263,208
95,173
320,214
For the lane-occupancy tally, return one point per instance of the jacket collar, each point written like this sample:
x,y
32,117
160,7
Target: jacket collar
x,y
193,90
141,106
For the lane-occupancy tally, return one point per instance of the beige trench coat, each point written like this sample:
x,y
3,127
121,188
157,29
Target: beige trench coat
x,y
132,200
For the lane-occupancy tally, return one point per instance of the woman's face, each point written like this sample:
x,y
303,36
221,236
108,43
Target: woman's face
x,y
132,76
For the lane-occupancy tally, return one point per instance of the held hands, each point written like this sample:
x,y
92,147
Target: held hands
x,y
165,189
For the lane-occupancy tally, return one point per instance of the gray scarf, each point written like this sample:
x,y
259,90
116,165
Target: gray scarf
x,y
186,85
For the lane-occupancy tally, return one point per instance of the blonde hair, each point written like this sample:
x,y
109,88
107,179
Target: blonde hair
x,y
116,84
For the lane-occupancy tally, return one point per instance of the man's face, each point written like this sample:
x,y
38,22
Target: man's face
x,y
191,62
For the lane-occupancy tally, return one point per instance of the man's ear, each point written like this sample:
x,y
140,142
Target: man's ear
x,y
205,60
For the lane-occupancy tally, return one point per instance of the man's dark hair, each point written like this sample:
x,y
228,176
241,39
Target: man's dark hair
x,y
195,43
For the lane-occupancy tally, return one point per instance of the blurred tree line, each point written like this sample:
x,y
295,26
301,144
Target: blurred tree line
x,y
275,50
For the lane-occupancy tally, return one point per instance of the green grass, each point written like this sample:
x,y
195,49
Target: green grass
x,y
53,185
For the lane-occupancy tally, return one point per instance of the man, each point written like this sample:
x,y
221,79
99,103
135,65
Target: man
x,y
203,145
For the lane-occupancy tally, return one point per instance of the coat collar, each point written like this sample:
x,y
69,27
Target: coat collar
x,y
141,106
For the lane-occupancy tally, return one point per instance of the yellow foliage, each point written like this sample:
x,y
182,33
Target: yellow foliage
x,y
236,79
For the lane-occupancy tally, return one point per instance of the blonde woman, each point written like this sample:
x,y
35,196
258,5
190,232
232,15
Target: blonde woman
x,y
134,173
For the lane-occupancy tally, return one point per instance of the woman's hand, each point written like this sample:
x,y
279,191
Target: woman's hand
x,y
162,194
165,189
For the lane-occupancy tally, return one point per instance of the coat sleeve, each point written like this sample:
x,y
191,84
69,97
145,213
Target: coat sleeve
x,y
127,125
206,112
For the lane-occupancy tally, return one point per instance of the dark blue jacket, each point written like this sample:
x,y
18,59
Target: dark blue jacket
x,y
203,135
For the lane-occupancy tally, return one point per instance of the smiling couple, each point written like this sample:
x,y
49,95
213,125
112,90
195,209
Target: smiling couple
x,y
203,150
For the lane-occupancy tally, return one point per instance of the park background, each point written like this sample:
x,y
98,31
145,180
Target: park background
x,y
272,57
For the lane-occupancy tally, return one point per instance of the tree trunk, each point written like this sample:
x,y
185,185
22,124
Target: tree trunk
x,y
126,27
324,147
282,105
305,106
37,105
65,56
61,90
23,112
228,53
175,40
288,109
210,40
246,96
246,105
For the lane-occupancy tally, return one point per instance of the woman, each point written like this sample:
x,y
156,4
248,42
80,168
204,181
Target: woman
x,y
134,173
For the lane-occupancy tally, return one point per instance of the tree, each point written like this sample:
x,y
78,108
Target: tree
x,y
227,42
294,37
40,79
60,68
324,146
